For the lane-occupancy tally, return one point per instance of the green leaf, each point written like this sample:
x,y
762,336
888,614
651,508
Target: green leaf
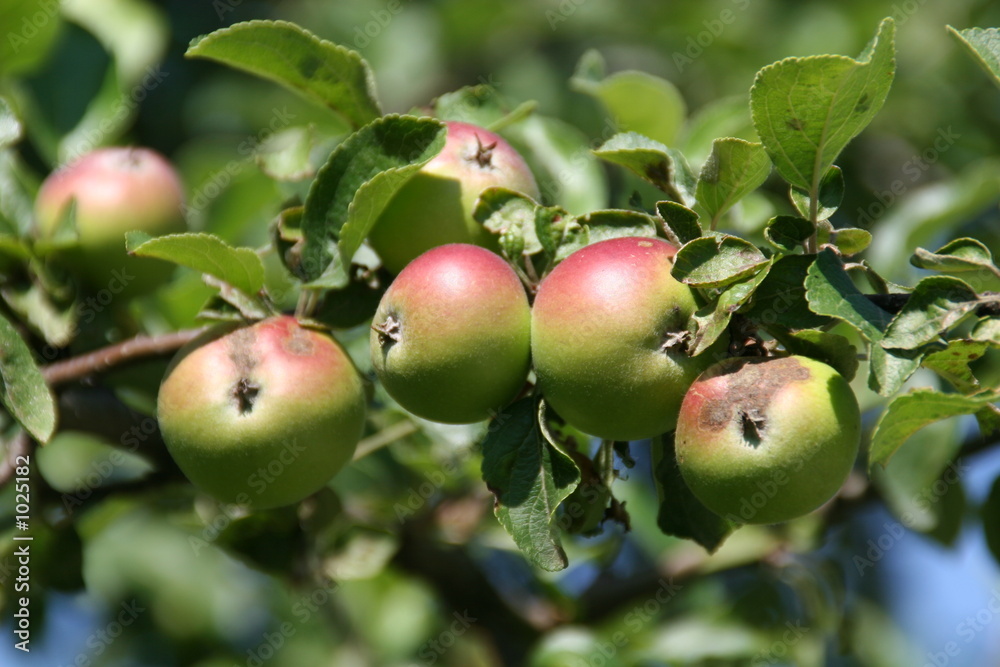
x,y
529,477
711,320
327,73
889,369
910,412
716,261
952,363
936,304
679,222
781,298
987,329
508,212
239,267
848,240
10,126
652,161
831,292
352,189
806,110
35,306
635,101
832,349
616,223
481,105
958,256
681,514
734,169
284,156
787,232
29,29
983,44
831,193
25,395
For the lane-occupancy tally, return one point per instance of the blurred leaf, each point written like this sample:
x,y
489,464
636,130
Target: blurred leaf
x,y
936,304
635,101
361,553
16,194
480,105
910,412
787,232
352,189
327,73
830,291
25,395
734,169
568,173
680,223
712,320
285,154
956,256
529,477
681,514
716,261
653,162
832,349
781,298
831,193
806,110
724,117
57,325
10,125
239,267
983,44
29,29
952,363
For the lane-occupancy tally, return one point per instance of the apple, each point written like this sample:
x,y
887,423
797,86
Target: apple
x,y
262,415
115,190
767,440
450,339
435,206
608,334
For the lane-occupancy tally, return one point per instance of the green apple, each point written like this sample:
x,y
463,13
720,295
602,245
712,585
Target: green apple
x,y
608,332
262,415
450,339
767,440
115,190
435,206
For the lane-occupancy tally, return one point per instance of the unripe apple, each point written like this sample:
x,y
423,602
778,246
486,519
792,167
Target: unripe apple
x,y
767,440
450,339
435,206
262,415
116,190
608,339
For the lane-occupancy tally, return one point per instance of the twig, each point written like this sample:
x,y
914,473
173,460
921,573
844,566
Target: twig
x,y
20,445
119,353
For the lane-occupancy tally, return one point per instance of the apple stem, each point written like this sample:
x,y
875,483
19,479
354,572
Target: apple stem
x,y
104,358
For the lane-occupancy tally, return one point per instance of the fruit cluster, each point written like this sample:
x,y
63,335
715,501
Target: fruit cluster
x,y
277,409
